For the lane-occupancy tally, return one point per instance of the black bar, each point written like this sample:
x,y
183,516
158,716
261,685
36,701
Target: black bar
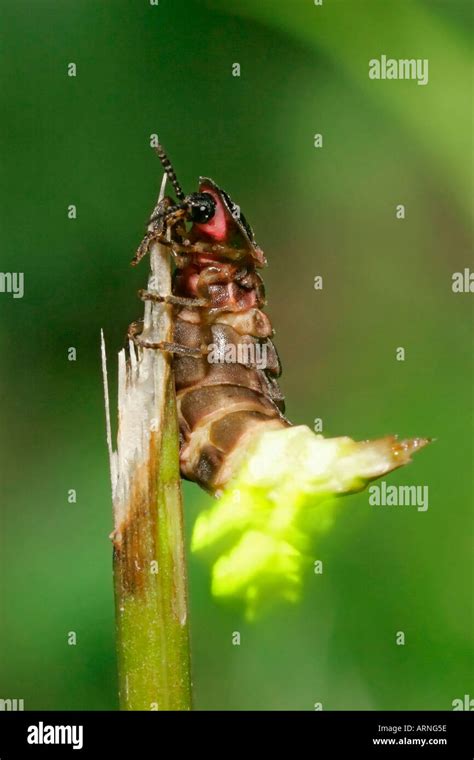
x,y
312,734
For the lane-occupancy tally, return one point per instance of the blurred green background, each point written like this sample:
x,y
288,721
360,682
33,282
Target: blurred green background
x,y
166,69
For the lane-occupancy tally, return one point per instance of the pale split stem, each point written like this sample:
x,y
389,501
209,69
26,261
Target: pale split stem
x,y
148,538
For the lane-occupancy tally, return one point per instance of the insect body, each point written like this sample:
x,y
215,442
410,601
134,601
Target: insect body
x,y
225,364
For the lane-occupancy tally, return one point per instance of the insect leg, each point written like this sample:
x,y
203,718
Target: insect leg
x,y
145,295
171,348
142,249
168,216
164,216
200,247
136,328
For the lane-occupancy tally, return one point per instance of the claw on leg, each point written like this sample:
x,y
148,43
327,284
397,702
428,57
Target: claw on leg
x,y
134,330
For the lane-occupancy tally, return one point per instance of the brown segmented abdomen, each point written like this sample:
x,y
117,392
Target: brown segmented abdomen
x,y
225,364
222,404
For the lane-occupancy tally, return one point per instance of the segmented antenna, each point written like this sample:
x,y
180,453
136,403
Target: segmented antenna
x,y
166,164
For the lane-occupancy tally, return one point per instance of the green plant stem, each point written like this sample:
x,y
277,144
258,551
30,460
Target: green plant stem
x,y
151,583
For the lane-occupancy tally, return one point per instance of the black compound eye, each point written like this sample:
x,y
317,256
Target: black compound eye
x,y
202,207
